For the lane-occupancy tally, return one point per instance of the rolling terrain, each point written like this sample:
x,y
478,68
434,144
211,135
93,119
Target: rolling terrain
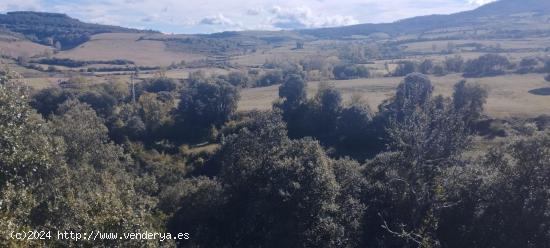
x,y
495,19
129,46
511,28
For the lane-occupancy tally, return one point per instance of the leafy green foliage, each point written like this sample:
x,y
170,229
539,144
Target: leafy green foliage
x,y
426,67
293,90
239,79
454,64
343,72
28,154
353,128
160,84
502,198
405,68
277,192
271,78
101,161
25,148
486,65
99,176
415,91
527,65
469,99
204,105
518,184
78,63
427,138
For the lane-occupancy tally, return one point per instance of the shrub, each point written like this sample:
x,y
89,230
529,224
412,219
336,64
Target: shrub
x,y
404,68
486,66
343,72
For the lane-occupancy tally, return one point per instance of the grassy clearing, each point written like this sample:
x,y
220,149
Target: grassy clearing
x,y
508,95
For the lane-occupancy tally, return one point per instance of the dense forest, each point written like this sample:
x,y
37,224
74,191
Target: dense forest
x,y
312,172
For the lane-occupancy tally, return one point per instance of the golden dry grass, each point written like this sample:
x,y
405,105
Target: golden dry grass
x,y
283,52
508,95
129,47
439,45
14,47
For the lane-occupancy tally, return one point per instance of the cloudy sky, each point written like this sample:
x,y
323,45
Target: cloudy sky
x,y
207,16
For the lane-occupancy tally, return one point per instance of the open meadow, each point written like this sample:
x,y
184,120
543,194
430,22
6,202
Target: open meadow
x,y
508,94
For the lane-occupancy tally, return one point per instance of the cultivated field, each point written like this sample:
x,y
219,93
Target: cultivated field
x,y
128,47
13,47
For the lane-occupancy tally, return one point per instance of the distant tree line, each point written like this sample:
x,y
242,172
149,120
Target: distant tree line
x,y
487,65
121,69
311,69
80,63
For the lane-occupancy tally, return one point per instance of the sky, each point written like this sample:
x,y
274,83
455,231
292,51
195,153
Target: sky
x,y
210,16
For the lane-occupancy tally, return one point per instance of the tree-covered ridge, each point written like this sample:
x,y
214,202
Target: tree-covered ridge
x,y
54,29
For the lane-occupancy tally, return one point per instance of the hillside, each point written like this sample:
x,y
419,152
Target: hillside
x,y
53,29
506,26
12,45
497,16
501,19
129,46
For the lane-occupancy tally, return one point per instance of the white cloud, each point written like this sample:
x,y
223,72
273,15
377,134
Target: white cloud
x,y
480,2
204,16
11,5
304,17
219,19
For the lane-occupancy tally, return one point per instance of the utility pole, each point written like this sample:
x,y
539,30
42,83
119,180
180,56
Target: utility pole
x,y
132,78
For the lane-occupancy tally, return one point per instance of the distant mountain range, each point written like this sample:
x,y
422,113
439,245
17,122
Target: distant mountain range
x,y
498,17
500,11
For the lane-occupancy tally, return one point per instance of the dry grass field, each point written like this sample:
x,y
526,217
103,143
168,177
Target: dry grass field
x,y
441,45
13,47
283,52
184,73
129,47
508,95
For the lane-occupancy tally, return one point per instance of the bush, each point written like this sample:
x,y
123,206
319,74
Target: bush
x,y
527,65
405,68
271,78
237,78
454,64
426,67
205,105
486,66
344,72
160,84
79,63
